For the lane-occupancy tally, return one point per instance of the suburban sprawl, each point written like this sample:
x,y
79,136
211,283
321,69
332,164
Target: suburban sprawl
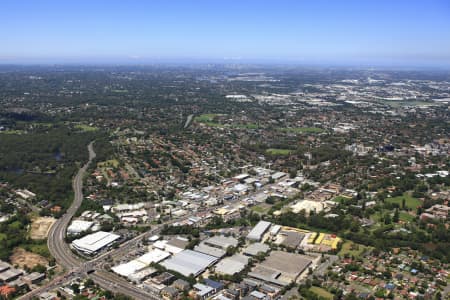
x,y
224,182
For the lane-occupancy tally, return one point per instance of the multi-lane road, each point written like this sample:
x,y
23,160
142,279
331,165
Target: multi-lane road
x,y
56,237
76,267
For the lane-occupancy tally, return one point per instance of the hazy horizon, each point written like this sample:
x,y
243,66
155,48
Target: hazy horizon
x,y
355,33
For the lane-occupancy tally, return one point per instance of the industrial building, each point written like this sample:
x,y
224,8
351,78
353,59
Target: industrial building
x,y
79,226
129,268
232,265
255,248
189,262
281,268
258,231
92,243
140,263
222,242
10,275
213,251
216,245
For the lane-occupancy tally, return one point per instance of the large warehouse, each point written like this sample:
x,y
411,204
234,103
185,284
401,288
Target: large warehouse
x,y
281,268
258,231
189,262
94,242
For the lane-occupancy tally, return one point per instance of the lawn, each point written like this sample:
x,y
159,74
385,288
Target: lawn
x,y
112,162
405,217
302,129
340,199
259,209
377,216
410,202
274,151
12,132
352,249
38,248
86,127
204,118
321,292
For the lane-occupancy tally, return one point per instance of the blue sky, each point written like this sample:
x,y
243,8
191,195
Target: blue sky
x,y
334,31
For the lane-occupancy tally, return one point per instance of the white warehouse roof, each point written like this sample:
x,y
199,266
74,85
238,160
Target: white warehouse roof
x,y
258,231
129,268
140,263
155,256
189,262
92,243
78,226
232,265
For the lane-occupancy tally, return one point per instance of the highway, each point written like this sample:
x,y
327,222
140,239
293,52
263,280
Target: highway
x,y
56,237
75,266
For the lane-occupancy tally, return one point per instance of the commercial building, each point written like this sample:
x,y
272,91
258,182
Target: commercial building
x,y
33,278
4,266
140,263
258,231
203,291
94,242
10,275
141,275
255,248
290,239
79,226
232,265
280,268
213,251
222,242
129,268
189,262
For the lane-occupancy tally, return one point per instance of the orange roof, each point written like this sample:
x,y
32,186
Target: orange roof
x,y
6,290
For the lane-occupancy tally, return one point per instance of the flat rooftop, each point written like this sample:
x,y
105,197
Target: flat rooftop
x,y
189,262
258,231
92,243
281,267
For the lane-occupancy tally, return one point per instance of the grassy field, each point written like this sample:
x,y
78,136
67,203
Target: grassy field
x,y
405,217
38,248
274,151
259,209
352,249
303,130
206,117
246,126
86,127
340,199
410,202
12,132
109,163
321,292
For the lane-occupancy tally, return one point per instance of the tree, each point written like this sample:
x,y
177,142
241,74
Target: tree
x,y
76,288
396,217
387,219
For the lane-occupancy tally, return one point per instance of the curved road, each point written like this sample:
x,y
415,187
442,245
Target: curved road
x,y
77,267
56,243
74,265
